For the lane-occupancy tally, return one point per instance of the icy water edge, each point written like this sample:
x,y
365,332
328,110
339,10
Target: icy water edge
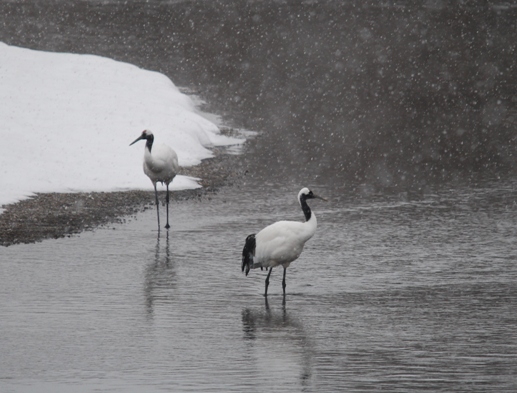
x,y
391,294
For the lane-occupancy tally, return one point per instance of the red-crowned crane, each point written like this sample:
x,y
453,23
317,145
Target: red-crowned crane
x,y
280,243
160,165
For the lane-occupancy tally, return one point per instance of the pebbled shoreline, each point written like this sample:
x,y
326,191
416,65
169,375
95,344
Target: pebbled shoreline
x,y
56,215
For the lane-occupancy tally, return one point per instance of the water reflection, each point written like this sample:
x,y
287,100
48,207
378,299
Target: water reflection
x,y
277,337
160,275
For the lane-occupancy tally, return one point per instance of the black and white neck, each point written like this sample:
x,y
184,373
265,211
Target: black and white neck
x,y
310,224
303,195
305,207
149,141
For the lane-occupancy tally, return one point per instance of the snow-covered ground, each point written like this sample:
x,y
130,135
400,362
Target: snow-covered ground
x,y
66,122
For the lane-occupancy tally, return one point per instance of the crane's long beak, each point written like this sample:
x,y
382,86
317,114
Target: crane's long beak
x,y
136,140
318,197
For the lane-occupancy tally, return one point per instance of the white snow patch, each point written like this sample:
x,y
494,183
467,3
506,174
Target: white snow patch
x,y
68,119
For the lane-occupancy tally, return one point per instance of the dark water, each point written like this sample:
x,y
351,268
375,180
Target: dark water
x,y
402,116
391,294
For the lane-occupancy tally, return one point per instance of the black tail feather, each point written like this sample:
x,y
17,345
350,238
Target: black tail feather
x,y
248,253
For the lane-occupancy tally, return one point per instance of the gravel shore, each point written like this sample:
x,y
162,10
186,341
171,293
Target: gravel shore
x,y
55,215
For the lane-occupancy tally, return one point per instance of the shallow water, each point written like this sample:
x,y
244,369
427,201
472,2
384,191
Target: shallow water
x,y
391,294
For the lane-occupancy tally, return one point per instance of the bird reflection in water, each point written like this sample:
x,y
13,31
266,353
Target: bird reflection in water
x,y
160,276
283,334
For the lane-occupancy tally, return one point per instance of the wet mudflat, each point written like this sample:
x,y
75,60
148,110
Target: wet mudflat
x,y
392,293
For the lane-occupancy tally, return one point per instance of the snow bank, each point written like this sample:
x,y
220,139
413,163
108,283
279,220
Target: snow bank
x,y
67,121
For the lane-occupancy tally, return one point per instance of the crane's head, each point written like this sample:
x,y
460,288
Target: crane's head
x,y
146,134
305,194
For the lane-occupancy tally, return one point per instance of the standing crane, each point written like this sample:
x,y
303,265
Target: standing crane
x,y
160,165
280,243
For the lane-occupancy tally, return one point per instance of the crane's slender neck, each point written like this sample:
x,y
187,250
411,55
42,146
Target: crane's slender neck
x,y
305,208
310,223
149,143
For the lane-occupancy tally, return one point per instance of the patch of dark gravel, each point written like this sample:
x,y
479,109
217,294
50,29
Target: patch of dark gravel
x,y
55,215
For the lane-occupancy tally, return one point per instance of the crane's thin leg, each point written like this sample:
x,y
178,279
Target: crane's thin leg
x,y
167,203
283,280
267,280
157,205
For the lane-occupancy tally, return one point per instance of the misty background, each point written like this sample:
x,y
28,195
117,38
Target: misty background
x,y
388,93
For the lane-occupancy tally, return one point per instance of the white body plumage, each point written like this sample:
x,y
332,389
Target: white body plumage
x,y
161,163
282,242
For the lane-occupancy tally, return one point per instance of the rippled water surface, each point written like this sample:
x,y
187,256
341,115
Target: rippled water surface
x,y
391,294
